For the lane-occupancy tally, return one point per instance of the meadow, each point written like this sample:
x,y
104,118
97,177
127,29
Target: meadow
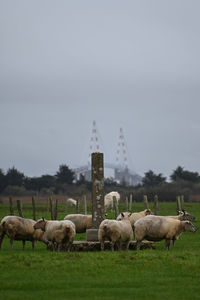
x,y
145,274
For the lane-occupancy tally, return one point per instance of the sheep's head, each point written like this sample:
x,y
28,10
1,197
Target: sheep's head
x,y
189,226
148,212
188,216
40,224
123,215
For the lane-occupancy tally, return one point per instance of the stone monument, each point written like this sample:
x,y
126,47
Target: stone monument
x,y
97,196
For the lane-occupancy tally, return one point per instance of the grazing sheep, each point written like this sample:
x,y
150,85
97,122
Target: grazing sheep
x,y
71,202
20,229
157,228
59,233
183,216
133,217
108,199
82,222
118,232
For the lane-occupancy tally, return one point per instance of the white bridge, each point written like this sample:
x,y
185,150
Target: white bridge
x,y
121,174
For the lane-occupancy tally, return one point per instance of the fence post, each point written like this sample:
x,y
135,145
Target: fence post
x,y
56,210
66,206
77,206
182,202
51,208
130,202
178,203
115,207
146,203
19,207
155,204
84,205
33,206
126,203
11,206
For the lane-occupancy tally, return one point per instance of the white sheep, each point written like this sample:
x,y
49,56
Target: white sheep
x,y
20,229
59,233
108,199
82,222
133,217
156,228
118,232
71,202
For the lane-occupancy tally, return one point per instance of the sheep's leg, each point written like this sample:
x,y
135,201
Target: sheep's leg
x,y
102,245
55,246
119,245
173,241
23,244
33,244
168,242
59,246
1,239
11,243
127,245
70,246
138,244
112,245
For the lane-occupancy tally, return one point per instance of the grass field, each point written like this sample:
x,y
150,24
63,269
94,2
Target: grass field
x,y
147,274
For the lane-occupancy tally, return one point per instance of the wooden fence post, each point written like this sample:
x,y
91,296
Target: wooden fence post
x,y
130,202
56,210
178,203
126,203
19,207
11,206
51,208
77,206
182,202
115,207
155,204
33,207
84,205
146,203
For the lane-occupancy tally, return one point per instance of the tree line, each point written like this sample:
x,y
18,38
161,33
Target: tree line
x,y
14,182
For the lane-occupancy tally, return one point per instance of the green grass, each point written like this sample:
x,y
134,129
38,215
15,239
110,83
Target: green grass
x,y
147,274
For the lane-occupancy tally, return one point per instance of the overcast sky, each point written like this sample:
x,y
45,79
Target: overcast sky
x,y
130,64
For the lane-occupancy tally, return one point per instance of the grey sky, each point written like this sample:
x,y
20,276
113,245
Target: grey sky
x,y
130,64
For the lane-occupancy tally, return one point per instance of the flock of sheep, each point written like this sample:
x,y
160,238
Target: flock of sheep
x,y
61,234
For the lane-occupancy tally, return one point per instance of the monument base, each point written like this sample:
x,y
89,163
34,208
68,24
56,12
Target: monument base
x,y
92,235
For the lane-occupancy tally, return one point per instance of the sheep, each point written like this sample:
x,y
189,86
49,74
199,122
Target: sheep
x,y
108,199
82,222
118,232
183,216
59,233
71,202
20,229
156,228
133,217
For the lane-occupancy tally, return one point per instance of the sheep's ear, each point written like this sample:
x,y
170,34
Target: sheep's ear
x,y
42,218
122,215
129,214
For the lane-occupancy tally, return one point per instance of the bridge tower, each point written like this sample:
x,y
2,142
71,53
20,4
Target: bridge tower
x,y
121,156
94,142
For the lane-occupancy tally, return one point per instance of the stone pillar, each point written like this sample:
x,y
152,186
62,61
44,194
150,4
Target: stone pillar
x,y
97,196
